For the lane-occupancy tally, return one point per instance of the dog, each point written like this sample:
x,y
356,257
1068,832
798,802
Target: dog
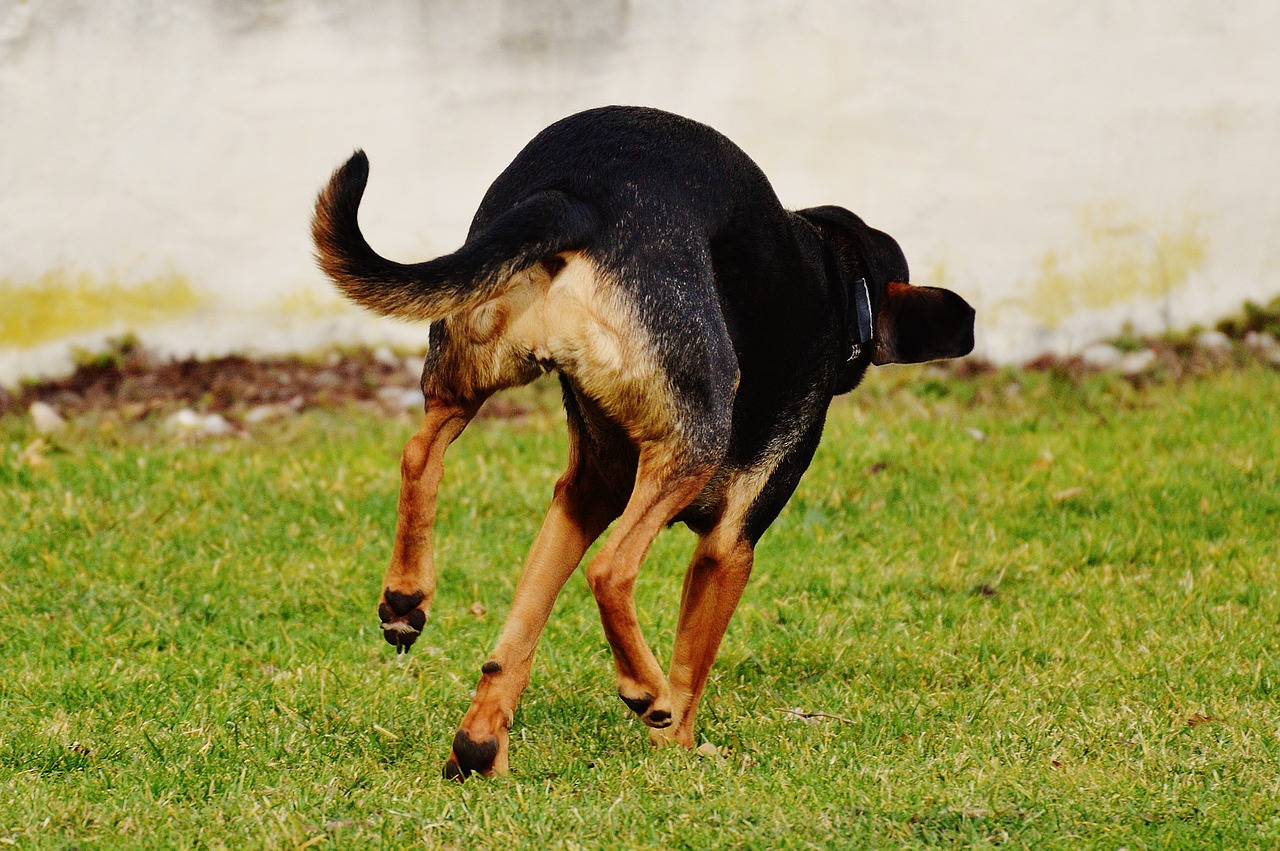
x,y
699,331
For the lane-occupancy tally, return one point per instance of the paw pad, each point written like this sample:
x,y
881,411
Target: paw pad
x,y
470,756
402,619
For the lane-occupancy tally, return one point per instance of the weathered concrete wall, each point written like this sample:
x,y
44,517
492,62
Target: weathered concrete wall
x,y
1067,164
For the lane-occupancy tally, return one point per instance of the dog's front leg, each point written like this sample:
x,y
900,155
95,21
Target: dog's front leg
x,y
582,508
713,586
410,583
661,491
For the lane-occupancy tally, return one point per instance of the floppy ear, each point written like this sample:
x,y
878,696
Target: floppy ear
x,y
916,324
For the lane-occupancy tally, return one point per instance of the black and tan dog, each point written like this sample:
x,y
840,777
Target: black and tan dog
x,y
699,331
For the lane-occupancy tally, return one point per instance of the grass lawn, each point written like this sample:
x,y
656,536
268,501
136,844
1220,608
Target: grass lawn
x,y
1017,609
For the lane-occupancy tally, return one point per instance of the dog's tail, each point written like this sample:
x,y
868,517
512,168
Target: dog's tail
x,y
541,225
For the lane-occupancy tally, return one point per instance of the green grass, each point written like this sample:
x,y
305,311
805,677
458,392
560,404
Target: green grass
x,y
1065,634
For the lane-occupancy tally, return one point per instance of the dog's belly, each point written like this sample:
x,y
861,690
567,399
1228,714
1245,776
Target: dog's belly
x,y
729,496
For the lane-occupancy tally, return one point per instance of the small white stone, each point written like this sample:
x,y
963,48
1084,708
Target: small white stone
x,y
262,413
1262,341
187,423
214,425
977,434
184,422
412,399
1214,341
1136,363
1102,356
272,411
45,418
401,398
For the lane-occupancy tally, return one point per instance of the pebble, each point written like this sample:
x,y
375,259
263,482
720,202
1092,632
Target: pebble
x,y
45,418
1214,341
188,423
1136,363
1262,342
1102,356
273,411
402,398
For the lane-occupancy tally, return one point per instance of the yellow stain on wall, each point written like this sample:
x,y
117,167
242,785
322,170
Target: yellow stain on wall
x,y
61,304
1120,258
314,303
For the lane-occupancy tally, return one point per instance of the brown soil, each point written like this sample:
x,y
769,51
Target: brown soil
x,y
136,383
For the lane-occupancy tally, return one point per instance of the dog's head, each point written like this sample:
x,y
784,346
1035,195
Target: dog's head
x,y
911,324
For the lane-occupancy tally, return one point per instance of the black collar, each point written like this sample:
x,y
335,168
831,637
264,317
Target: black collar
x,y
852,297
859,319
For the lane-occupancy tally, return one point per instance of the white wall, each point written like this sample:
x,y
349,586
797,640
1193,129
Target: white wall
x,y
1065,164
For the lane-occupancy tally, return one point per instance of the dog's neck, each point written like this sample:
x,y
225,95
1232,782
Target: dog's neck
x,y
855,286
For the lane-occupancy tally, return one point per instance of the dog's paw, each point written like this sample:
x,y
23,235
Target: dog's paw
x,y
474,756
652,711
402,616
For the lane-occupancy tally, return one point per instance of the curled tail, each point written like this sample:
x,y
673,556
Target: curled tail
x,y
541,225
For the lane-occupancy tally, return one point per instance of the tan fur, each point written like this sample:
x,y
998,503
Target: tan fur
x,y
713,585
575,320
661,491
579,332
569,316
412,569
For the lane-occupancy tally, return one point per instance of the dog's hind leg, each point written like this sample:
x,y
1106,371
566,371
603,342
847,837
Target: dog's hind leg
x,y
583,506
461,371
663,488
410,583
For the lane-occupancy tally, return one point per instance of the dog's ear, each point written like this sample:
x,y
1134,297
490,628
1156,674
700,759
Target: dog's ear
x,y
916,324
